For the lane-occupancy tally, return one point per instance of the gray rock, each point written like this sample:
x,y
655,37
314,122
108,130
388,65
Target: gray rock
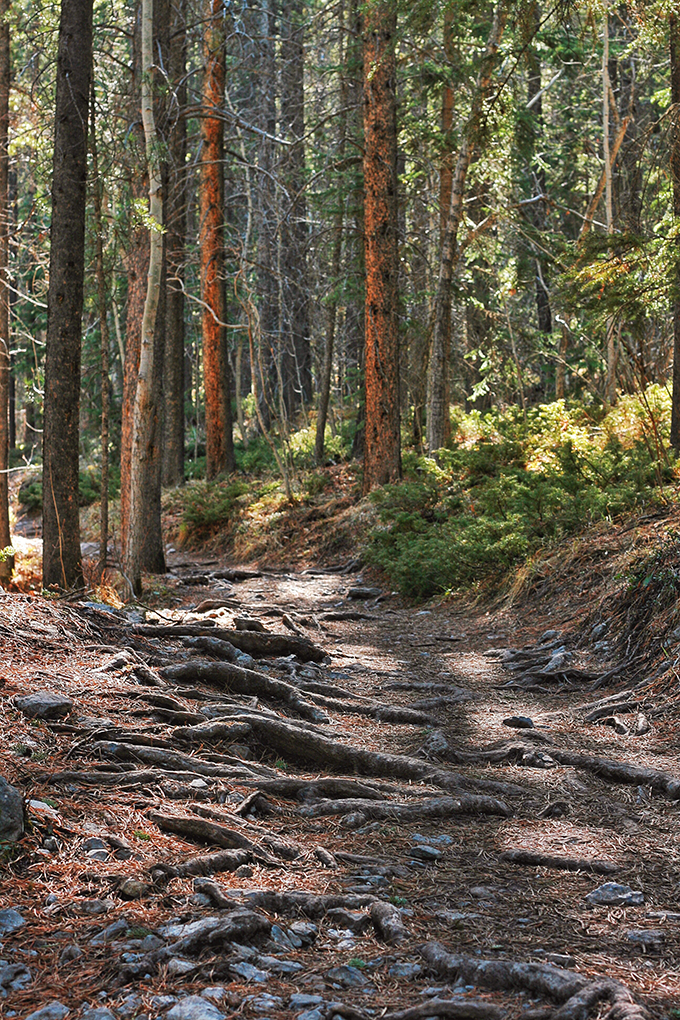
x,y
13,977
150,943
54,1011
598,631
519,722
43,705
364,593
94,843
349,920
278,966
405,970
312,1014
214,992
10,920
11,812
98,1013
199,899
426,853
278,935
69,953
482,892
180,930
641,725
93,908
195,1007
263,1003
647,938
177,966
304,931
249,972
557,959
112,932
611,894
346,976
98,855
132,889
435,745
129,1007
302,1000
163,1001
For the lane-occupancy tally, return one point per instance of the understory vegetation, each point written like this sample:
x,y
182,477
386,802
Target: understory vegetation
x,y
508,486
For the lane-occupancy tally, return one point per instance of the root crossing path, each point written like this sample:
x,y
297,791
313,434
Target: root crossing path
x,y
294,796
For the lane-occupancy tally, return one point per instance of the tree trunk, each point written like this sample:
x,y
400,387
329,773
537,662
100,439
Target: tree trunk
x,y
612,351
218,419
295,355
62,565
437,401
538,209
674,22
175,227
145,412
6,565
102,307
382,452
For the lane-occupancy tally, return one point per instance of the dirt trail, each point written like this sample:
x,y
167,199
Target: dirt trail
x,y
151,862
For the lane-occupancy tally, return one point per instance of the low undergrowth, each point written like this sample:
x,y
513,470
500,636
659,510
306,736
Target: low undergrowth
x,y
513,484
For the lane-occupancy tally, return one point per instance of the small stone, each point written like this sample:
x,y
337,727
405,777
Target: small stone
x,y
199,899
177,966
426,853
598,631
98,1013
263,1003
44,811
611,894
548,635
43,705
98,855
123,853
364,593
646,938
346,976
278,966
14,976
278,935
349,920
214,992
69,953
54,1011
249,973
94,843
11,812
557,959
241,751
519,722
195,1007
129,1007
641,725
150,943
301,1000
482,892
305,931
10,921
312,1014
405,970
112,932
132,889
435,745
353,820
244,871
92,908
163,1001
51,844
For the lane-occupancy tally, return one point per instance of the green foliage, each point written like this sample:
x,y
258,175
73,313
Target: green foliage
x,y
89,488
511,486
209,506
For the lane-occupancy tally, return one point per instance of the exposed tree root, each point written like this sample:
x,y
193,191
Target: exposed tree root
x,y
315,789
175,761
456,1009
387,922
531,859
254,643
575,994
432,807
302,745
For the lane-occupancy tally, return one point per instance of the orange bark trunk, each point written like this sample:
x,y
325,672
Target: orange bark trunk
x,y
382,455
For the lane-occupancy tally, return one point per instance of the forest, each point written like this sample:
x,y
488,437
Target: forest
x,y
253,241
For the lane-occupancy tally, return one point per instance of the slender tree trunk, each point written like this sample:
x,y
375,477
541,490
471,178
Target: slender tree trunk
x,y
436,405
296,360
612,349
62,565
538,209
218,419
674,22
175,235
336,259
6,565
145,412
102,307
382,453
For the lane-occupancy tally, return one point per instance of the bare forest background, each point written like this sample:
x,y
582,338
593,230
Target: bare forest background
x,y
435,239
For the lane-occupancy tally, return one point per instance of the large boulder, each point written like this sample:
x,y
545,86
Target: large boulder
x,y
11,812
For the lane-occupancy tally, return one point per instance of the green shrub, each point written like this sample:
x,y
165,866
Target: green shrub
x,y
509,487
89,488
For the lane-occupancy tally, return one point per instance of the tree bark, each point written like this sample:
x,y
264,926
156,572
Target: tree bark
x,y
145,429
175,219
218,418
382,452
674,23
62,565
6,565
437,407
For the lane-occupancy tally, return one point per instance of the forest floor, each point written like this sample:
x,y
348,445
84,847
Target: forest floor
x,y
339,822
